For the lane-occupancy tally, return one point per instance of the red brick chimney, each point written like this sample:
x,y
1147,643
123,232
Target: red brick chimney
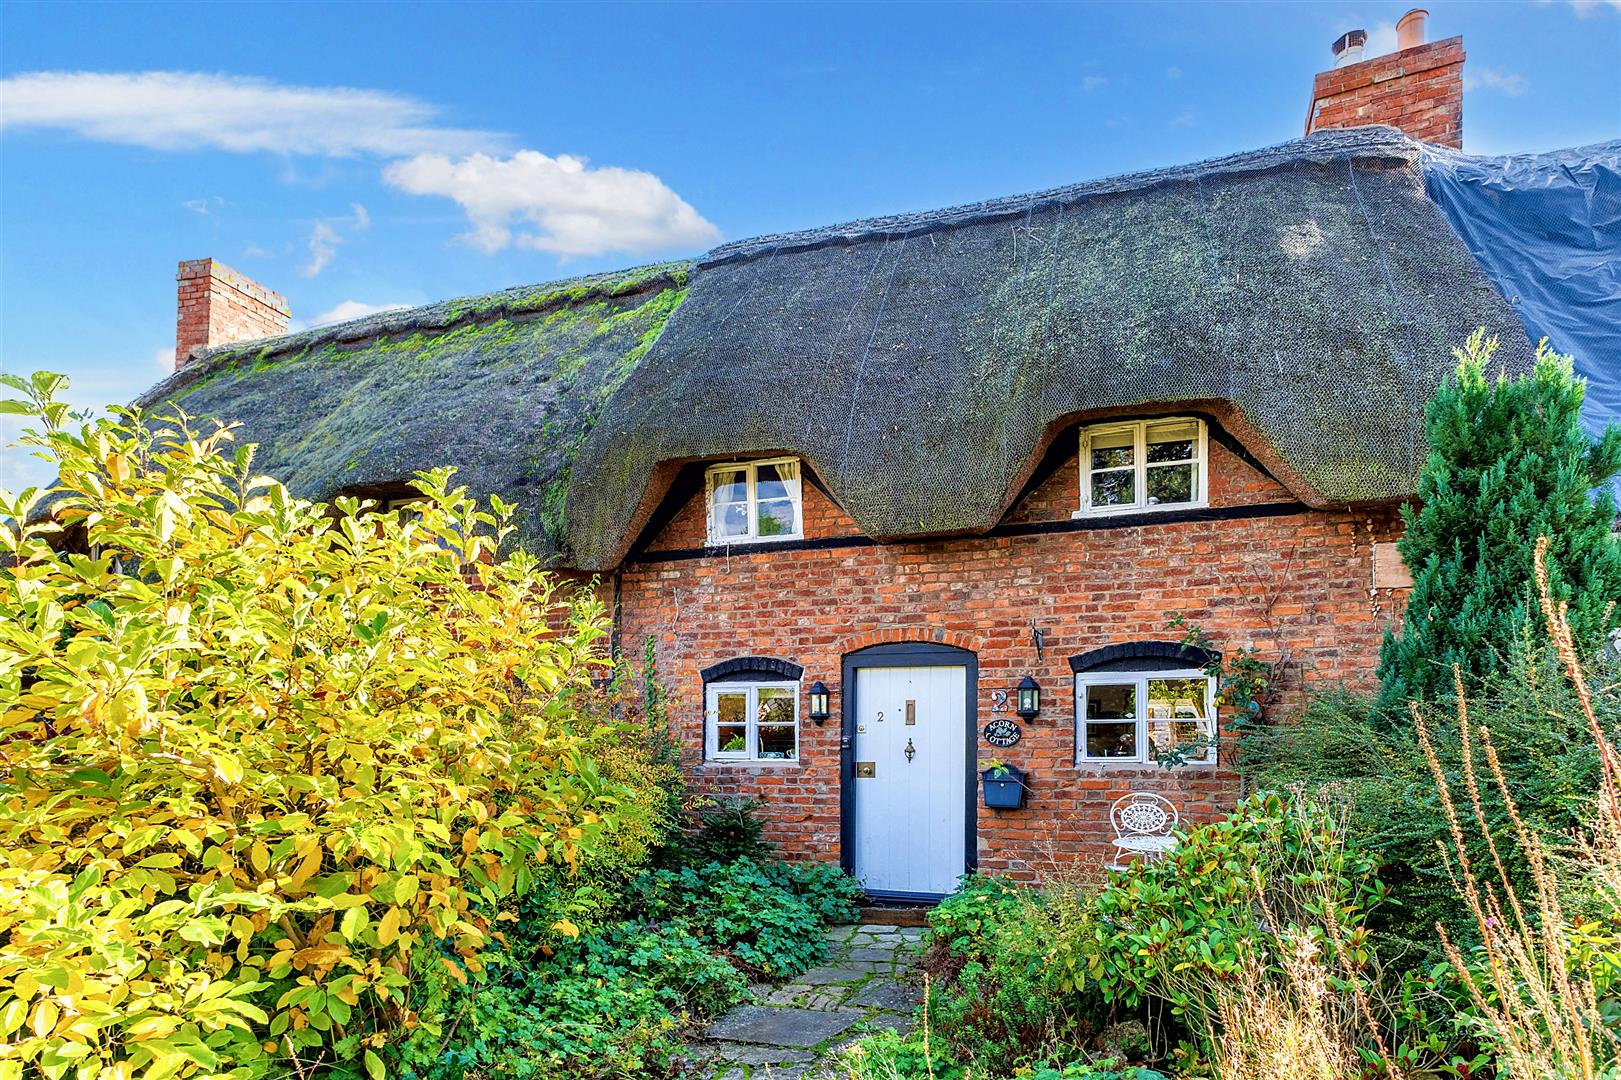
x,y
218,306
1418,88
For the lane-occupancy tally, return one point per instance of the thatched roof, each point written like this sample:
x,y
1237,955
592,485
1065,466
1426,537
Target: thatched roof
x,y
1307,295
504,387
1310,294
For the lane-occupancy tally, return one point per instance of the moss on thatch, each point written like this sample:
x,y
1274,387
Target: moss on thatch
x,y
918,362
504,387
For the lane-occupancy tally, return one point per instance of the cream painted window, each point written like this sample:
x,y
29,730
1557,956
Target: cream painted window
x,y
747,721
750,501
1131,716
1143,466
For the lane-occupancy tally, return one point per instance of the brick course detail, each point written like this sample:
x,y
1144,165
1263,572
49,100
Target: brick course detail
x,y
1296,586
218,306
1419,90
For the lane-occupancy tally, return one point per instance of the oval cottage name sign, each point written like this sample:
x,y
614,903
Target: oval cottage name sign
x,y
1001,732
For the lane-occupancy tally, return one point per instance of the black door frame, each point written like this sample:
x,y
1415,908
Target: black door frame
x,y
908,654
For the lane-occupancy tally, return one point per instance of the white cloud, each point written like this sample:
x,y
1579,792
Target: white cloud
x,y
163,359
1185,120
1173,72
1491,79
325,238
1094,82
175,110
205,205
254,251
571,209
554,204
347,310
323,245
1586,9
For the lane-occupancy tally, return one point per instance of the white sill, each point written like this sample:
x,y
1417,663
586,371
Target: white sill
x,y
744,541
1157,508
754,763
1129,765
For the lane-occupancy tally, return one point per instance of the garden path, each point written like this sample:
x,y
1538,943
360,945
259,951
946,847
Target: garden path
x,y
792,1032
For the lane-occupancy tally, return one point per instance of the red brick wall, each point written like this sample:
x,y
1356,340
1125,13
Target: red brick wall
x,y
1419,90
1298,586
218,306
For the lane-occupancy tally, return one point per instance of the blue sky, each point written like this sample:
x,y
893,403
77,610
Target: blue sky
x,y
358,155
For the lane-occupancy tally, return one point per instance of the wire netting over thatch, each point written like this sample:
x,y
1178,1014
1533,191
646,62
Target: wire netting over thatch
x,y
918,362
504,387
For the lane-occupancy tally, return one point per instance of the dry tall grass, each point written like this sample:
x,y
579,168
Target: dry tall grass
x,y
1307,1015
1539,1007
1296,1028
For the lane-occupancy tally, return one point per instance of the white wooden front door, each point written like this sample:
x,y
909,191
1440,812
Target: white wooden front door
x,y
910,821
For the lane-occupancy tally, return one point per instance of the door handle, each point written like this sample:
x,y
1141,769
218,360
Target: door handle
x,y
909,751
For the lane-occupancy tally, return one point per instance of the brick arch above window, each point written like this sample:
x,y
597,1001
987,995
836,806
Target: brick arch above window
x,y
752,667
1142,656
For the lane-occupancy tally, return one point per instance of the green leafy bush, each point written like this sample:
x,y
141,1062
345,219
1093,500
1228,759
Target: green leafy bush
x,y
999,1005
1177,927
269,763
831,894
655,955
888,1056
1341,745
741,907
970,920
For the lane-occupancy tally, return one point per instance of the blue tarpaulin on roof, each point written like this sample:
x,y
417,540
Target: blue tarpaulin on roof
x,y
1546,228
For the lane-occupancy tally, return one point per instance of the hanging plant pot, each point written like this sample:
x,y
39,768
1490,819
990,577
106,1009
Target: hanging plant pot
x,y
1004,787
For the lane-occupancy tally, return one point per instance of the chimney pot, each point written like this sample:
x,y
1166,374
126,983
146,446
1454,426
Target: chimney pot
x,y
1348,48
1410,29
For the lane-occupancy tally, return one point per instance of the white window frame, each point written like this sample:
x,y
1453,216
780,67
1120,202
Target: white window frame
x,y
752,483
1140,467
751,749
1087,679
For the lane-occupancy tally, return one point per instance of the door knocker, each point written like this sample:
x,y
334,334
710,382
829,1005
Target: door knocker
x,y
910,750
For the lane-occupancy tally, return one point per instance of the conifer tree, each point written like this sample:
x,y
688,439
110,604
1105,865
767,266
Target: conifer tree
x,y
1508,462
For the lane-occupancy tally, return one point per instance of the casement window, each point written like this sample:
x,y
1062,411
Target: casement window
x,y
1131,716
749,721
750,501
1143,465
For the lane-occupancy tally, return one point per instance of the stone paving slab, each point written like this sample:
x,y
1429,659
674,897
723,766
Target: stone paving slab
x,y
744,1054
792,1031
885,995
787,1026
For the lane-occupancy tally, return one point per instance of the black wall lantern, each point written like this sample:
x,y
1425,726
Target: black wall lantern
x,y
1029,698
818,702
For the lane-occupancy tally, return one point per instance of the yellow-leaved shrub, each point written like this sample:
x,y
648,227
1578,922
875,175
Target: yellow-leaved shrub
x,y
262,760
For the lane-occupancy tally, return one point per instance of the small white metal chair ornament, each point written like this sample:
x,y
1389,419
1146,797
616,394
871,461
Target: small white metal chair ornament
x,y
1143,823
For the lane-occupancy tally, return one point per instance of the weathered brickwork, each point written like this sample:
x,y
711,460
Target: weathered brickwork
x,y
218,306
1298,586
1419,90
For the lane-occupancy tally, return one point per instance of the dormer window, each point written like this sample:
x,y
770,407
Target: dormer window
x,y
1142,466
750,501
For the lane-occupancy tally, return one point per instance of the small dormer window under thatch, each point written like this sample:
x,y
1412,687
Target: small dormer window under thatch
x,y
1144,465
751,501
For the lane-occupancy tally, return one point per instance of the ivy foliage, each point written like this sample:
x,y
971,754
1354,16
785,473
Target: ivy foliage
x,y
1508,462
268,765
